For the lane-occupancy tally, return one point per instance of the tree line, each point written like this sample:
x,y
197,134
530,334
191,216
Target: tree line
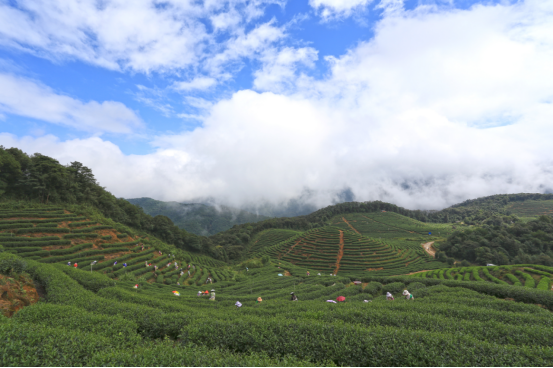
x,y
503,240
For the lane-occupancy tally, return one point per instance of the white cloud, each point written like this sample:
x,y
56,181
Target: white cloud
x,y
198,102
337,8
403,118
27,98
141,36
246,45
279,67
199,83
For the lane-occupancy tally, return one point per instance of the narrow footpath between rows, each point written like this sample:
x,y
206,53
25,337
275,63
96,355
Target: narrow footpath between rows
x,y
354,229
340,252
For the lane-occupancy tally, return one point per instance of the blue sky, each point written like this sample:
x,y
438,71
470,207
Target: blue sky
x,y
220,98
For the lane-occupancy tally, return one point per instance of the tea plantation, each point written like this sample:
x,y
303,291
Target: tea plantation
x,y
115,308
531,208
89,319
57,236
529,276
356,244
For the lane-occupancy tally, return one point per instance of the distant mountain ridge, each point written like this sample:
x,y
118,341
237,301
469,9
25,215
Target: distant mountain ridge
x,y
198,218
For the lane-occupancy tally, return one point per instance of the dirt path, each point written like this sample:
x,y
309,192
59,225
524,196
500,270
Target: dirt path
x,y
429,248
412,273
293,246
340,252
354,229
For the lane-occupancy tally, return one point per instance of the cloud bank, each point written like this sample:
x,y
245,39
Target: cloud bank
x,y
440,106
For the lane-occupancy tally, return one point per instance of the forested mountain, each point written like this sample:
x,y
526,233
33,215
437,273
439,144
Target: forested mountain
x,y
197,218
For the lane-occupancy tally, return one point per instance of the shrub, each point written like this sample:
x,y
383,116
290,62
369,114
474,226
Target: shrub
x,y
416,285
373,288
73,318
15,226
544,283
80,236
475,274
92,228
394,287
529,281
487,273
43,230
83,223
513,279
10,263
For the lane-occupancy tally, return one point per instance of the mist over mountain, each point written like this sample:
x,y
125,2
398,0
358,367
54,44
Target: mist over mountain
x,y
198,218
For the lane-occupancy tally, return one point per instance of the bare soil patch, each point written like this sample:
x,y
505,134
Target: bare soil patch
x,y
429,248
16,293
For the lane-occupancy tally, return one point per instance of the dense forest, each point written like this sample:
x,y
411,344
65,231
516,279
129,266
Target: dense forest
x,y
504,240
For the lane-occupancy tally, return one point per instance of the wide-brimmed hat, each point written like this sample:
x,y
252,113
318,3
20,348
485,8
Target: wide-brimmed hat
x,y
291,293
212,289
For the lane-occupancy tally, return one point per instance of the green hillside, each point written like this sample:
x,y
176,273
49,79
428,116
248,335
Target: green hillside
x,y
55,235
358,244
197,218
531,208
88,319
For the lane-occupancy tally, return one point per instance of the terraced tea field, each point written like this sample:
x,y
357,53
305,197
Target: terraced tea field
x,y
89,321
268,238
389,225
531,208
53,235
529,276
336,251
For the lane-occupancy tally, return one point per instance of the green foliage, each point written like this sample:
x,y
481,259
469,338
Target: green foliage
x,y
502,240
373,288
92,281
529,281
544,283
513,279
394,287
80,236
416,286
91,228
82,223
43,230
11,264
